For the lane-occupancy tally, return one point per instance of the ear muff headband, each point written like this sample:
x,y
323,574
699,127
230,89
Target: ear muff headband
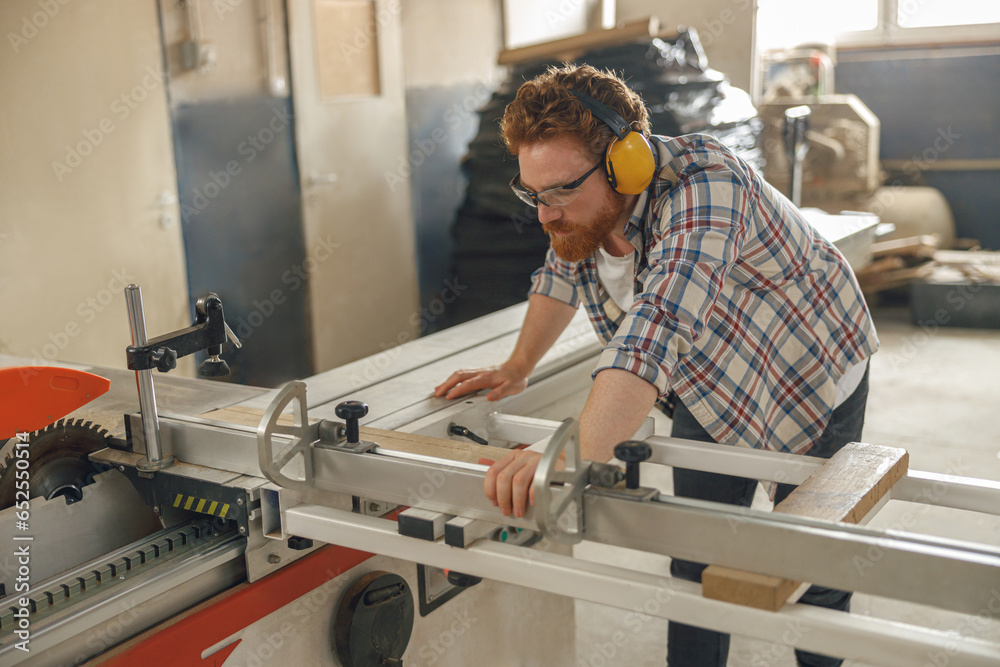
x,y
629,158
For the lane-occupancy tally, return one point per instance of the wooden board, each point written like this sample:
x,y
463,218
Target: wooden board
x,y
923,246
441,448
572,47
845,489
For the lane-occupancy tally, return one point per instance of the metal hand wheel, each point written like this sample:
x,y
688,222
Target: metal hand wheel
x,y
303,434
559,510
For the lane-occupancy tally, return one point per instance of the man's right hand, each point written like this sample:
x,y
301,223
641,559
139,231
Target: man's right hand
x,y
504,380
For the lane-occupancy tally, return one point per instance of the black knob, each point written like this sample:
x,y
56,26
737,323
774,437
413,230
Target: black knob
x,y
213,368
299,543
632,452
164,358
351,412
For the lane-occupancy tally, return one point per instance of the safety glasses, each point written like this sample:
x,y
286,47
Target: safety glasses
x,y
560,195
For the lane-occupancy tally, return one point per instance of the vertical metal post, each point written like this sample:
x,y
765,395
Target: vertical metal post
x,y
796,147
144,383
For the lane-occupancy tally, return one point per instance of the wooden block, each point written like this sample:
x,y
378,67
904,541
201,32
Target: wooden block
x,y
845,489
871,283
441,448
911,246
572,47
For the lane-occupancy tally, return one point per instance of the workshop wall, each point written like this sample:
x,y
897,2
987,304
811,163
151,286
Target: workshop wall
x,y
238,186
87,181
449,75
936,106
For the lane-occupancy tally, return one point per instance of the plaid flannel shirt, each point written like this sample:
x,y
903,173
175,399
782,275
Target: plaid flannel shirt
x,y
741,306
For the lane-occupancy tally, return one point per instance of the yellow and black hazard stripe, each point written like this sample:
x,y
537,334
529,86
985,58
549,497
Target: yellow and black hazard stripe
x,y
202,505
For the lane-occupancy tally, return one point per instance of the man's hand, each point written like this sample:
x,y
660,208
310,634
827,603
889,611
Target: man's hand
x,y
504,380
508,482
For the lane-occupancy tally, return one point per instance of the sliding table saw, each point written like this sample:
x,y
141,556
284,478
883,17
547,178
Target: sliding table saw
x,y
341,521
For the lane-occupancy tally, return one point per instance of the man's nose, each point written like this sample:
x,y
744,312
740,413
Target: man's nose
x,y
549,213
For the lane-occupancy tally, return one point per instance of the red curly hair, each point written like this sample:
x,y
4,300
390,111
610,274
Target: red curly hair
x,y
544,108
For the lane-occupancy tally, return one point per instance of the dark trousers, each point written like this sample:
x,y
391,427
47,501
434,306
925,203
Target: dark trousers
x,y
689,646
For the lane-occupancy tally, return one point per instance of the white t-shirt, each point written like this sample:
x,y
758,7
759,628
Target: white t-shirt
x,y
618,273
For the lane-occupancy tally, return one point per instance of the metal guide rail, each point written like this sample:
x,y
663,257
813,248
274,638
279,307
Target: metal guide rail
x,y
575,503
71,609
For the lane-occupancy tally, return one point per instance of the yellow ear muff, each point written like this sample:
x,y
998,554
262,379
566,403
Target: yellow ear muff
x,y
629,158
630,164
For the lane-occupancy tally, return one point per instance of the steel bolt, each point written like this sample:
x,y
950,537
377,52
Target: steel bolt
x,y
122,468
243,530
273,559
373,507
239,501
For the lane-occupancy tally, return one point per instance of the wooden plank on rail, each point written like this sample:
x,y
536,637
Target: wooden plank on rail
x,y
844,489
570,48
426,445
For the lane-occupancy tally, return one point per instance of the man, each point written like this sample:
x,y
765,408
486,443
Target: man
x,y
715,299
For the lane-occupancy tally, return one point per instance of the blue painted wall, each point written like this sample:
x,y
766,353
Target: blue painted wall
x,y
937,104
241,211
442,120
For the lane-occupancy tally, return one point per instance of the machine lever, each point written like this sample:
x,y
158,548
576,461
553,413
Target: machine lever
x,y
464,432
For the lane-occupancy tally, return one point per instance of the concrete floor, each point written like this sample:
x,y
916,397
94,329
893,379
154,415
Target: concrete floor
x,y
935,393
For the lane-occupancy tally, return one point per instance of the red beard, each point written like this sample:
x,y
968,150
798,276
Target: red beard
x,y
584,240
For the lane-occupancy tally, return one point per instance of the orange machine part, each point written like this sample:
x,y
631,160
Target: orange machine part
x,y
32,397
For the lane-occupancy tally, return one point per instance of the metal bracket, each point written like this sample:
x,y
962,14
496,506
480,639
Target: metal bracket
x,y
555,519
304,434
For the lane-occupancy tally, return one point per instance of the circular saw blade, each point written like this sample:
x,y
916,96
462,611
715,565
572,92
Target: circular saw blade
x,y
58,461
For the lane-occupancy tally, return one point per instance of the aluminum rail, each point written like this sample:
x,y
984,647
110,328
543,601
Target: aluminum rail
x,y
886,643
943,490
954,575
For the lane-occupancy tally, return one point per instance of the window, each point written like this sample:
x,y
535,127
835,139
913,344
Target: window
x,y
937,13
786,23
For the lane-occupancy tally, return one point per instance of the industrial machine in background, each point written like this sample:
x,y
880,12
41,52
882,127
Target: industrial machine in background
x,y
836,152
